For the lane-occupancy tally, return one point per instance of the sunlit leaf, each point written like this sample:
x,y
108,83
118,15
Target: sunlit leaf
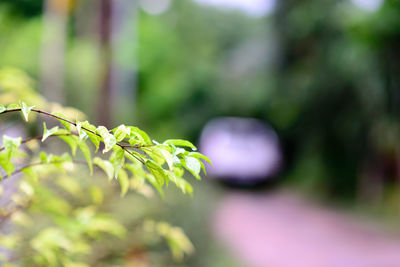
x,y
67,125
25,110
47,133
93,137
140,135
107,138
199,156
105,165
117,159
193,165
2,108
6,163
86,153
180,142
123,181
12,106
121,132
157,171
72,141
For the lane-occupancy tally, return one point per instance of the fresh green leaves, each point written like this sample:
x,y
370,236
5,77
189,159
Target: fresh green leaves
x,y
117,159
193,165
25,110
107,138
157,171
47,133
180,142
155,163
105,165
121,132
86,153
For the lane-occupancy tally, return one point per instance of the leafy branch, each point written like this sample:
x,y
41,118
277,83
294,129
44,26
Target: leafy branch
x,y
156,163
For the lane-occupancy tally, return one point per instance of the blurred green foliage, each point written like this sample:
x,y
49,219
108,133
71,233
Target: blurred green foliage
x,y
324,74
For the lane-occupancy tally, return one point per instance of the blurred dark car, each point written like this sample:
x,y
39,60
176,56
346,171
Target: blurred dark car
x,y
244,151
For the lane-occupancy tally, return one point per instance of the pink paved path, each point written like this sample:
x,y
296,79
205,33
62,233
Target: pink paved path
x,y
283,230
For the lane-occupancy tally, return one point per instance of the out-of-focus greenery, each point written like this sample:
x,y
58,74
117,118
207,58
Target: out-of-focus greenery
x,y
324,74
53,218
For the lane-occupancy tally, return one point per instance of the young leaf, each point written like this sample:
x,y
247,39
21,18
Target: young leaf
x,y
123,181
132,158
198,155
193,165
82,134
25,110
43,157
93,137
154,183
105,165
12,106
67,125
86,153
72,141
7,165
11,146
117,159
2,108
180,142
31,173
140,135
121,132
108,139
47,133
11,143
157,171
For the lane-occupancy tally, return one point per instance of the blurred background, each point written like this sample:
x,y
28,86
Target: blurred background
x,y
296,102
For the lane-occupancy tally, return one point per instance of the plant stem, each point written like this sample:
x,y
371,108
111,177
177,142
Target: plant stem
x,y
73,123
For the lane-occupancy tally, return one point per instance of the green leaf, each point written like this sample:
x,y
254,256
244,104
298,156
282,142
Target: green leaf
x,y
139,135
72,141
123,181
43,157
198,155
107,138
93,137
105,165
132,158
181,183
121,132
67,125
82,134
2,108
180,142
12,106
31,173
193,165
157,171
25,110
117,159
11,146
86,153
149,177
6,163
47,133
11,142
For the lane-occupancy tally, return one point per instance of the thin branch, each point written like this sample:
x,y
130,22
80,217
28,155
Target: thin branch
x,y
73,123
